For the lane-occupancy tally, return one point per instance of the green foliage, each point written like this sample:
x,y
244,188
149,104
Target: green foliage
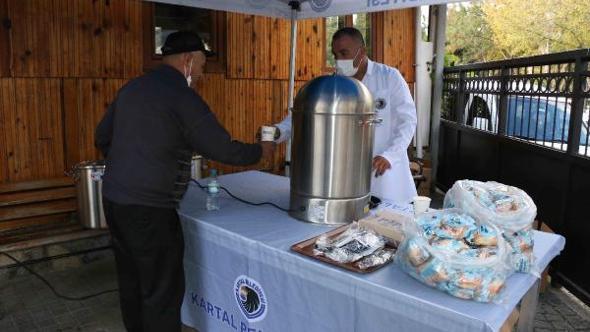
x,y
502,29
469,36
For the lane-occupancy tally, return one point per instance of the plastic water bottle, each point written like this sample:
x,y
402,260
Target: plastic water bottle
x,y
213,192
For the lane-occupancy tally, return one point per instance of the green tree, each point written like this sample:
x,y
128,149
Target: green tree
x,y
469,36
522,28
503,29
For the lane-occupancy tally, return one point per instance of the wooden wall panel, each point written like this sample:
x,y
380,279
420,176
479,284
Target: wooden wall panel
x,y
32,129
398,37
261,52
33,35
69,38
259,47
249,46
249,53
85,101
66,48
18,15
377,42
6,102
240,48
248,106
4,40
133,32
279,50
90,15
310,51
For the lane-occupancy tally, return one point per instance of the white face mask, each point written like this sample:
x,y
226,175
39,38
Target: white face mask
x,y
346,67
189,79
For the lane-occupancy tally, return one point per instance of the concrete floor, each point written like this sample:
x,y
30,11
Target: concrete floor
x,y
26,304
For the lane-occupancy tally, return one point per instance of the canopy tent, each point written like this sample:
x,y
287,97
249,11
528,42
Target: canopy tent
x,y
308,8
303,9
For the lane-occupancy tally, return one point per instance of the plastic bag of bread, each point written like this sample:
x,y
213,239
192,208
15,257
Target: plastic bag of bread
x,y
522,250
449,250
507,207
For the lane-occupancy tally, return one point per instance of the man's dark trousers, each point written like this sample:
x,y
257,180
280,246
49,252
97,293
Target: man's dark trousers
x,y
149,248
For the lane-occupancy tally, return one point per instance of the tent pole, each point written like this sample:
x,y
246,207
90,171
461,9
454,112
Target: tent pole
x,y
294,8
439,64
417,92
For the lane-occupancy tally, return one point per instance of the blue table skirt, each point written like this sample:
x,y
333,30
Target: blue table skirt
x,y
246,245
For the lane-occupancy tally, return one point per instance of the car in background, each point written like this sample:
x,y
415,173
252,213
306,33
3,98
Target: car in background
x,y
542,120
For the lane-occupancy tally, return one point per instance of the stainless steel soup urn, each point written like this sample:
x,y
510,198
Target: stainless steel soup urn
x,y
331,150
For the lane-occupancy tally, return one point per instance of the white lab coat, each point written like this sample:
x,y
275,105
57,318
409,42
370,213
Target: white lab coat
x,y
392,136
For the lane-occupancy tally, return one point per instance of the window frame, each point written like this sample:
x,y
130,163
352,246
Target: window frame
x,y
215,64
376,19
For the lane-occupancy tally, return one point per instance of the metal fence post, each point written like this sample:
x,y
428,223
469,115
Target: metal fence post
x,y
503,103
576,118
460,100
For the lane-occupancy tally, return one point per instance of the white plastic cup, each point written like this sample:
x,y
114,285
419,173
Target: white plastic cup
x,y
267,133
421,204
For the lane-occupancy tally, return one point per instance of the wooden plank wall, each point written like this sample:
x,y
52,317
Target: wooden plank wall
x,y
32,129
67,38
257,74
398,41
262,47
85,101
62,61
4,39
248,106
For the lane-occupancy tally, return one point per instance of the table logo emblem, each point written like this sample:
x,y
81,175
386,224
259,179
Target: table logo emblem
x,y
251,298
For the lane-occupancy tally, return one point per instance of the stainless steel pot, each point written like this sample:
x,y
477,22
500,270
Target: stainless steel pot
x,y
196,167
332,147
88,178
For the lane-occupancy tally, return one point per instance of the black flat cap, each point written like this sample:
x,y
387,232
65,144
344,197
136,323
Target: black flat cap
x,y
184,41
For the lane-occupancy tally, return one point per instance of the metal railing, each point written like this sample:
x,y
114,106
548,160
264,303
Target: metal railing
x,y
543,100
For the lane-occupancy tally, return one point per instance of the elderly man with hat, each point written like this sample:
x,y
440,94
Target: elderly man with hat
x,y
148,136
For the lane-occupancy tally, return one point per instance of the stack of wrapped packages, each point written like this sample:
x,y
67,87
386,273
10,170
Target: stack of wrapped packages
x,y
358,245
508,208
450,250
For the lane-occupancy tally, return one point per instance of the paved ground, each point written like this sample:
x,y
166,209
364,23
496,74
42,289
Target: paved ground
x,y
28,305
558,310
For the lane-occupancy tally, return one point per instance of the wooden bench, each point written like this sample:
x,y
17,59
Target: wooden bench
x,y
37,209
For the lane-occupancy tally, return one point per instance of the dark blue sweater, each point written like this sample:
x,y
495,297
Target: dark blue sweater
x,y
149,134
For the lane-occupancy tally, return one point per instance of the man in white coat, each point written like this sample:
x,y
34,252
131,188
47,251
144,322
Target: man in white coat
x,y
392,179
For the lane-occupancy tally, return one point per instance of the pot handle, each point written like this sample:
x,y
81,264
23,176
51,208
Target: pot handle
x,y
370,122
